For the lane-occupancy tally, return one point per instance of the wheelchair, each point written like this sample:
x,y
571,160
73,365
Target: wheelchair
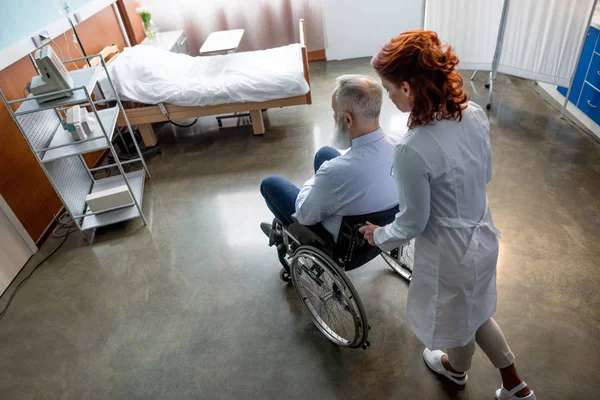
x,y
316,266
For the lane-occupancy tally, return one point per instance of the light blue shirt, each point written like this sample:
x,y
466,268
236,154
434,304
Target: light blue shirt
x,y
356,183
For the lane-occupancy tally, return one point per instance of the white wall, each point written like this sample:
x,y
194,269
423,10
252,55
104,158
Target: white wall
x,y
15,246
357,28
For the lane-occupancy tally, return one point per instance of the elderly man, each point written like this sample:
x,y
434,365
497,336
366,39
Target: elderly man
x,y
356,183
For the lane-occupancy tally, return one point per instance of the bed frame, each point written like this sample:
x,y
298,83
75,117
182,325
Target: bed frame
x,y
145,115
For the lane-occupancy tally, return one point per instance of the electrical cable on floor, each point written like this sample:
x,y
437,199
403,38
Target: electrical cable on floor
x,y
58,232
184,126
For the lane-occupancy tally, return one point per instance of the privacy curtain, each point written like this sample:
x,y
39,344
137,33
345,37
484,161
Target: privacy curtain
x,y
268,23
470,27
542,39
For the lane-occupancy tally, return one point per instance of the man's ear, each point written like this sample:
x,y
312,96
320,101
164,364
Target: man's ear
x,y
348,119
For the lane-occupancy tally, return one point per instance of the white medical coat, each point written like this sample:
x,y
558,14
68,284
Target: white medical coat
x,y
441,171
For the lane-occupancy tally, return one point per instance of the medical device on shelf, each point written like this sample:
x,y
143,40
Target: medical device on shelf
x,y
109,199
53,76
79,123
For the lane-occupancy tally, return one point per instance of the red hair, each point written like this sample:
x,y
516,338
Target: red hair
x,y
418,57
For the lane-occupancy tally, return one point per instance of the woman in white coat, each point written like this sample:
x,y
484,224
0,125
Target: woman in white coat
x,y
442,166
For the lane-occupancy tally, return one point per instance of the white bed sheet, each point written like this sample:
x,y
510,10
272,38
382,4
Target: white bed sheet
x,y
151,75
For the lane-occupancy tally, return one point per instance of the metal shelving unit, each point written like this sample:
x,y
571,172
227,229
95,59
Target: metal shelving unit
x,y
61,157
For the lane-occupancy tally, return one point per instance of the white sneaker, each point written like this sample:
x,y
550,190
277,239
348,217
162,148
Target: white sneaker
x,y
433,359
503,394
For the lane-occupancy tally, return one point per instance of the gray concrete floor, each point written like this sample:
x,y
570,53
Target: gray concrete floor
x,y
191,306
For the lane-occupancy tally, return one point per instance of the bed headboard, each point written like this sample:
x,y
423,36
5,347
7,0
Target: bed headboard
x,y
109,53
302,33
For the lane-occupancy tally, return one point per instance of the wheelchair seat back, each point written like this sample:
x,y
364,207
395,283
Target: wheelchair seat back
x,y
351,249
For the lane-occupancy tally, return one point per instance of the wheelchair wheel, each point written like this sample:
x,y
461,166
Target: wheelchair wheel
x,y
285,276
329,297
402,260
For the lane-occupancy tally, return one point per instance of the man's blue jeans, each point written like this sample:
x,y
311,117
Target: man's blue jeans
x,y
280,194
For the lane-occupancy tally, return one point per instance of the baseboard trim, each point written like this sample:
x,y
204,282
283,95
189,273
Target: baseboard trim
x,y
317,55
572,109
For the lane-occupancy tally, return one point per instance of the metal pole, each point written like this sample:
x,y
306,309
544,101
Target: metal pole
x,y
116,157
491,86
83,58
121,26
474,74
86,168
107,166
82,49
498,50
89,214
122,109
423,9
500,38
564,107
123,142
78,41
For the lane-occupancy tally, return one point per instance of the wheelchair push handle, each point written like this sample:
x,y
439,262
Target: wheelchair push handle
x,y
359,236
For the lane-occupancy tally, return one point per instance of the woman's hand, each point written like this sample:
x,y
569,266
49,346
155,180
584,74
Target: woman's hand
x,y
367,231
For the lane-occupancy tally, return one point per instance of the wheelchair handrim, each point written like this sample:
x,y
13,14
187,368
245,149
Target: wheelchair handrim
x,y
346,306
404,264
397,266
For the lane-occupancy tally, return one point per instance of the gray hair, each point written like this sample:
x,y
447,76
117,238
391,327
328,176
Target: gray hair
x,y
359,95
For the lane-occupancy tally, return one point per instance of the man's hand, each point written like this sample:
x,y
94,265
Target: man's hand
x,y
367,231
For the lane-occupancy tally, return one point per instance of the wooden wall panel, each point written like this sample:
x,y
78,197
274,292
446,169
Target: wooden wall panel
x,y
23,183
134,20
100,31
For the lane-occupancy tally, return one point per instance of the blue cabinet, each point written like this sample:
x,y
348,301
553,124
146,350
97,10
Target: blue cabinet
x,y
581,72
589,102
593,75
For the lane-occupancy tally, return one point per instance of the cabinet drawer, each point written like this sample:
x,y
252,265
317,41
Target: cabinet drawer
x,y
594,33
593,75
582,68
589,102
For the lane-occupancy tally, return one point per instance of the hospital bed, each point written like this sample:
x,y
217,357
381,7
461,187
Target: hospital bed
x,y
159,86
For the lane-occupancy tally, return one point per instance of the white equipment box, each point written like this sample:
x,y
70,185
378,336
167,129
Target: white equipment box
x,y
109,199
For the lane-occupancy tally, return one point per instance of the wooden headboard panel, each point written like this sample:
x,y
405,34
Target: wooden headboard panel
x,y
109,53
302,33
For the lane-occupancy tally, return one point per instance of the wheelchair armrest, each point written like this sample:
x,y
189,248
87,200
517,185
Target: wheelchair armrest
x,y
314,235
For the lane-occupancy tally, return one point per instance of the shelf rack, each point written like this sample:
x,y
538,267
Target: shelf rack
x,y
61,157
